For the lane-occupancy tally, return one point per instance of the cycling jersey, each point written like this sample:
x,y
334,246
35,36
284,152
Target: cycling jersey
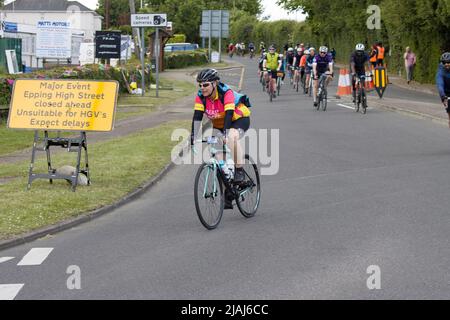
x,y
322,62
303,61
272,60
309,62
443,81
360,61
290,58
298,57
215,109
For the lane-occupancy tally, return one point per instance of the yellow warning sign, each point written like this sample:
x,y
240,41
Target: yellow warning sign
x,y
75,105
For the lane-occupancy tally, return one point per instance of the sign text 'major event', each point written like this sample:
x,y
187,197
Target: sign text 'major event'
x,y
63,105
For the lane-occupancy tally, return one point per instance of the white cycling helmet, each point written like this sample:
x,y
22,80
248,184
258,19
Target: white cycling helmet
x,y
360,47
312,49
307,52
291,49
323,49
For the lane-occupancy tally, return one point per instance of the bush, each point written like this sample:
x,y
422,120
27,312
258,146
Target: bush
x,y
183,59
177,38
130,72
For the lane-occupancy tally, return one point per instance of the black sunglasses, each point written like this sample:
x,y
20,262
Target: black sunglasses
x,y
204,85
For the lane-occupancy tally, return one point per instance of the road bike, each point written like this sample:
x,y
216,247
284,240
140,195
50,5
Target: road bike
x,y
303,79
322,92
269,87
280,75
252,53
359,94
296,79
310,84
291,75
262,80
212,186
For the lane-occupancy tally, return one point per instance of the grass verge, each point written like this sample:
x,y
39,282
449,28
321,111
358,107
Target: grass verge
x,y
117,167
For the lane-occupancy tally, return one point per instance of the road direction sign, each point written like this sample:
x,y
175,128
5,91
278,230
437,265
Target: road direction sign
x,y
215,24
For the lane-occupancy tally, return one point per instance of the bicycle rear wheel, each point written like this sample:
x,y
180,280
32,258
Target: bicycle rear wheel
x,y
249,191
209,197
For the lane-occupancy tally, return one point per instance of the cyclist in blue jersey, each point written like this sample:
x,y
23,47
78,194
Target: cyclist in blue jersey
x,y
322,64
443,81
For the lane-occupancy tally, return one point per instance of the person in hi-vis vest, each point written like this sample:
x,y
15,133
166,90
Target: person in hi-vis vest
x,y
373,56
380,56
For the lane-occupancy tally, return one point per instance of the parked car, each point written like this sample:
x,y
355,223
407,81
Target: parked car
x,y
171,47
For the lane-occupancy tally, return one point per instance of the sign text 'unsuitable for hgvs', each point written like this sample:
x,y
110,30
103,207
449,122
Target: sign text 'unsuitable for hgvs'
x,y
75,105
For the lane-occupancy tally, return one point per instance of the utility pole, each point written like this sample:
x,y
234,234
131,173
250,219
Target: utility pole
x,y
137,47
107,14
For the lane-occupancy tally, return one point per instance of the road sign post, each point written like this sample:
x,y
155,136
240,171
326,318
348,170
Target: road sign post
x,y
143,61
215,24
157,60
150,20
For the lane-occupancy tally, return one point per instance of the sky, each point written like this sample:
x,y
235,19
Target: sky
x,y
270,8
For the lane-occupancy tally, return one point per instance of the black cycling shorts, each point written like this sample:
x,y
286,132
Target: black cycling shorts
x,y
241,124
273,74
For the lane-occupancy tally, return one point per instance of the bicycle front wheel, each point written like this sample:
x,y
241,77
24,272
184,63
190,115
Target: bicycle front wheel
x,y
209,196
278,85
324,100
249,191
364,102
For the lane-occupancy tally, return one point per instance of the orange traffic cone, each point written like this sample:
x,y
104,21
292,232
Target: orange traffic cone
x,y
369,83
344,86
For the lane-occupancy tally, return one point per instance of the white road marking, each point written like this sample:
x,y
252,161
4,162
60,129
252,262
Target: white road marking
x,y
10,291
35,257
4,259
345,106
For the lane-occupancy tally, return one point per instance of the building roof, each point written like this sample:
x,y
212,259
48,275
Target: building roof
x,y
45,5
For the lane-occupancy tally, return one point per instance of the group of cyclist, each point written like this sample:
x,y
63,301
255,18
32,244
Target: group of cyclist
x,y
302,61
229,111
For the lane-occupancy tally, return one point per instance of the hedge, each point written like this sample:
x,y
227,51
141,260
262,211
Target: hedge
x,y
183,59
86,72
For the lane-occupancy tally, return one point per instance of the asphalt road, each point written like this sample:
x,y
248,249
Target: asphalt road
x,y
352,192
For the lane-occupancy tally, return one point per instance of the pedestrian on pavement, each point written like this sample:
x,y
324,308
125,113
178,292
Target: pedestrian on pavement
x,y
443,81
410,62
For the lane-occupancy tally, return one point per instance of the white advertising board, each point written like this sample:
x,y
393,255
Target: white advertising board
x,y
53,39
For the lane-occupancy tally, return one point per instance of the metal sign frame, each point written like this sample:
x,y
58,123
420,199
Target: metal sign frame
x,y
72,145
215,24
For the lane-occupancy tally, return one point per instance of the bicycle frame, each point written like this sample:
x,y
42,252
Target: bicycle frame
x,y
215,164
